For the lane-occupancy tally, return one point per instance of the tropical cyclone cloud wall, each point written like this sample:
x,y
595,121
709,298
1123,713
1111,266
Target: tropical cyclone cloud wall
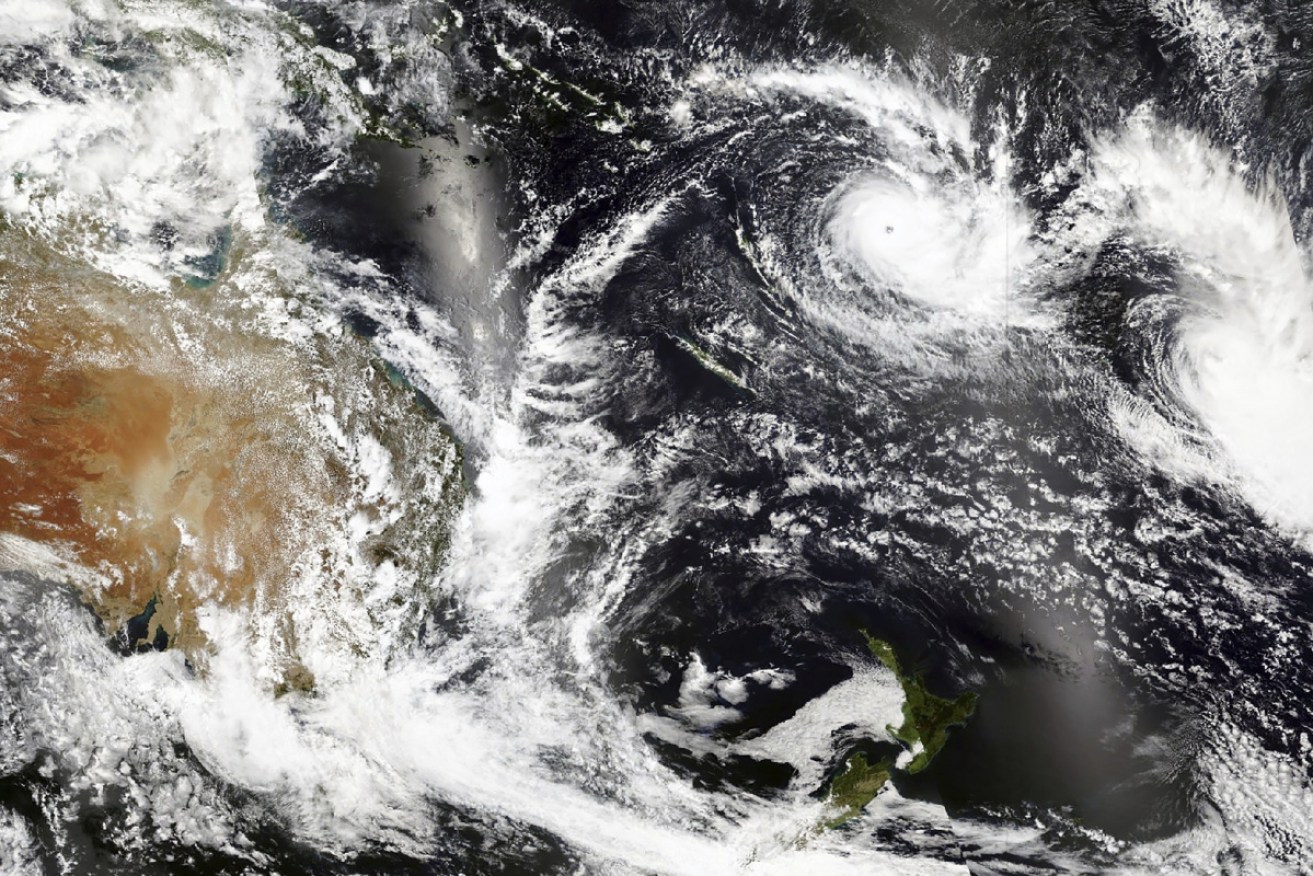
x,y
696,437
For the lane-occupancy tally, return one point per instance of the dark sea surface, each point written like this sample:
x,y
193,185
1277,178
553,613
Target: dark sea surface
x,y
814,319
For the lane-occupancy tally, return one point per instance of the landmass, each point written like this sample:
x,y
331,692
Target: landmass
x,y
923,733
188,457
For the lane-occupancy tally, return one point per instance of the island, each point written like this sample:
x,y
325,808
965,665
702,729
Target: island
x,y
923,733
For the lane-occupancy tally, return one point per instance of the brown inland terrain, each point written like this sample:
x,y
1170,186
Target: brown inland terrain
x,y
117,465
177,459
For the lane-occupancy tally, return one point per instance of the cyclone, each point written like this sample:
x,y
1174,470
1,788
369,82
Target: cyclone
x,y
701,437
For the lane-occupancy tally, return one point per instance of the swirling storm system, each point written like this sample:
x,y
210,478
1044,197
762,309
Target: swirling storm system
x,y
656,437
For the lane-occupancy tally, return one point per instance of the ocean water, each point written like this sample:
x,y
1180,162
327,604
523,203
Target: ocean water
x,y
468,438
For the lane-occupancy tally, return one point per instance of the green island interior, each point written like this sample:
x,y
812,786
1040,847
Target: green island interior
x,y
923,732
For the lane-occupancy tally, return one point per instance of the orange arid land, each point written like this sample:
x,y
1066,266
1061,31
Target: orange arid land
x,y
158,442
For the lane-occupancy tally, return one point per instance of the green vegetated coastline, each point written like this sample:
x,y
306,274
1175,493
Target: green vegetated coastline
x,y
923,732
